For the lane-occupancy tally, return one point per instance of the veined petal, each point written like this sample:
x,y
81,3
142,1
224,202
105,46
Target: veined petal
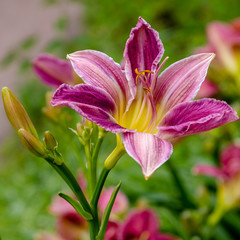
x,y
209,171
143,51
52,70
91,102
181,81
195,117
148,150
99,70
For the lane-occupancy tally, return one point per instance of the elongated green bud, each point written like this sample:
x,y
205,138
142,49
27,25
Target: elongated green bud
x,y
16,113
32,143
49,141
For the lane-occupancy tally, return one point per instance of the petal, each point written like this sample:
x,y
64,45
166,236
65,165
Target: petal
x,y
91,102
209,171
143,51
52,70
139,222
181,81
195,117
148,150
99,70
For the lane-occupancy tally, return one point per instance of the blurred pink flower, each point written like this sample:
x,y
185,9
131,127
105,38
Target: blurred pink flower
x,y
228,175
144,225
224,41
230,164
70,225
120,205
54,71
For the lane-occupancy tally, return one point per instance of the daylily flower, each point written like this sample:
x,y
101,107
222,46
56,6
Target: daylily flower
x,y
224,41
54,71
147,109
142,225
228,176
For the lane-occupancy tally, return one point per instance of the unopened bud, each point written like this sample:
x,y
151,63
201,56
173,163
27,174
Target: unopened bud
x,y
49,141
84,131
32,143
16,113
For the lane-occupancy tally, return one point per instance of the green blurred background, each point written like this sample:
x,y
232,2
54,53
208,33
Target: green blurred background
x,y
27,184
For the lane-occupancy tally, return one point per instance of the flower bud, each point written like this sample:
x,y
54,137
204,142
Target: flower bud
x,y
32,143
49,141
16,113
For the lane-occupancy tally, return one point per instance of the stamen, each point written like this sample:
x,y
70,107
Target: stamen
x,y
145,79
157,72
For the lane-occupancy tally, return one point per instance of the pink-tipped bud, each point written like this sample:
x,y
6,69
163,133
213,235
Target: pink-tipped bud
x,y
16,113
32,143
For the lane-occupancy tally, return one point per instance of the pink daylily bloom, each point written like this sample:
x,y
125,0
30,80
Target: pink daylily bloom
x,y
53,71
224,41
230,164
147,109
228,194
142,224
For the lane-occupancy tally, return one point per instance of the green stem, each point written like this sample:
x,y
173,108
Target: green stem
x,y
71,181
99,187
187,201
67,176
96,150
90,168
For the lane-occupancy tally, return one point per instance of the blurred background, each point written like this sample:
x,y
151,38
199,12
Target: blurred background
x,y
59,27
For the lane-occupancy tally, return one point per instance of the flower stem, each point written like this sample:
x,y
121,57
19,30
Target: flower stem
x,y
101,135
90,170
187,201
71,181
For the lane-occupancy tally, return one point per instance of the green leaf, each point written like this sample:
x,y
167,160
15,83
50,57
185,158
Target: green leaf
x,y
88,216
107,212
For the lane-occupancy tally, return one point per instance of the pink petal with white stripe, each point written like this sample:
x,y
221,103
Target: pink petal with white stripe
x,y
181,81
143,51
99,70
148,150
91,102
195,117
